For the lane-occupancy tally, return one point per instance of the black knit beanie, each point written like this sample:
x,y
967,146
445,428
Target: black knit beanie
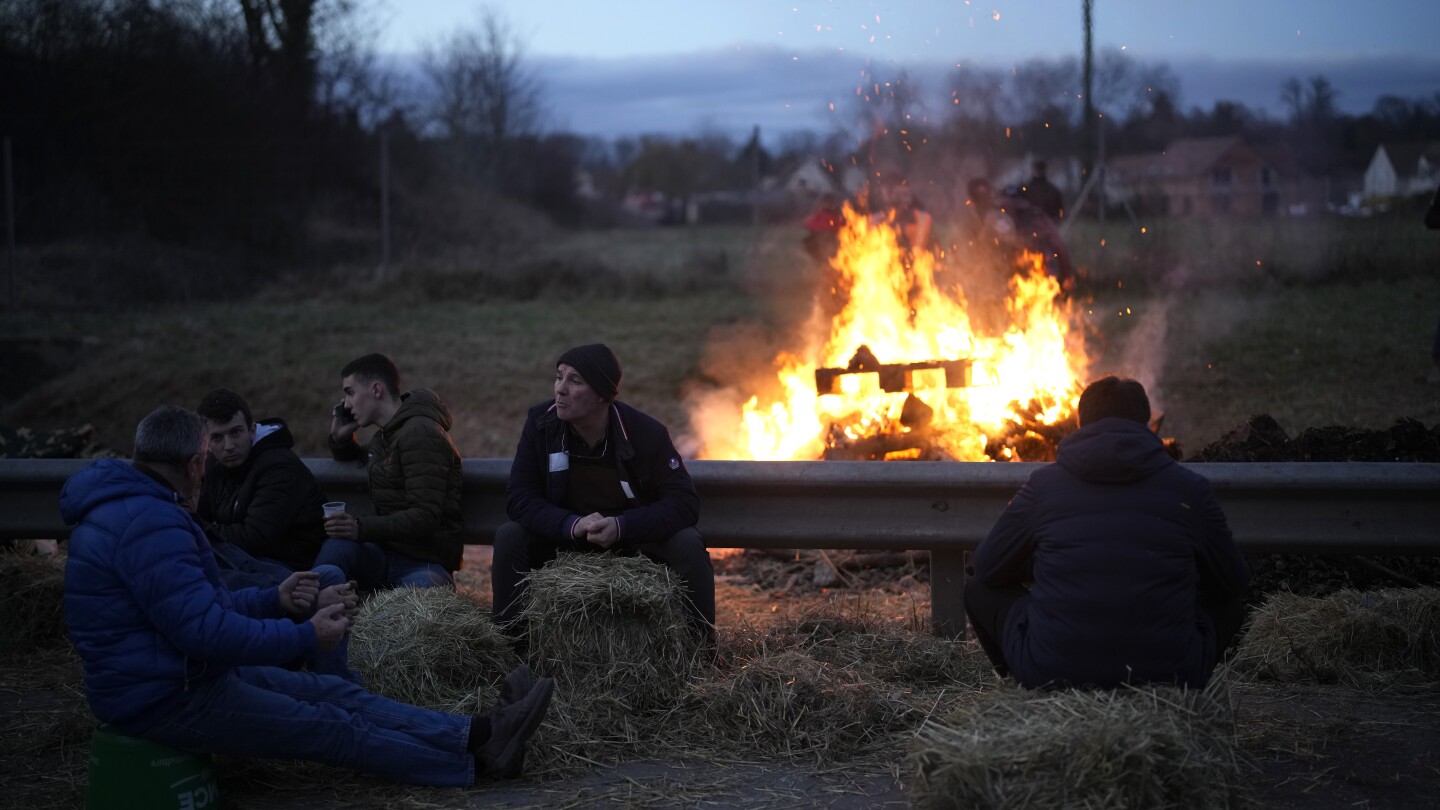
x,y
598,365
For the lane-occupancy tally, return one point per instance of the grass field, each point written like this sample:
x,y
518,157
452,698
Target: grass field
x,y
1315,331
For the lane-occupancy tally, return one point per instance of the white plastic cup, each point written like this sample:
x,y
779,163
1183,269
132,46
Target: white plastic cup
x,y
333,508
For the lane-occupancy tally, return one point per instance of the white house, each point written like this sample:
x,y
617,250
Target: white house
x,y
814,177
1402,170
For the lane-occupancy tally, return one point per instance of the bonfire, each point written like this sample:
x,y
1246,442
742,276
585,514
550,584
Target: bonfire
x,y
904,366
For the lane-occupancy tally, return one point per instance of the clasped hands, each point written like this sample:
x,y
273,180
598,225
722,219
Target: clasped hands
x,y
597,529
335,607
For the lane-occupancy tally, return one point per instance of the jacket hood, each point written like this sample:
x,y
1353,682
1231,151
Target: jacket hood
x,y
278,436
106,480
420,402
1113,451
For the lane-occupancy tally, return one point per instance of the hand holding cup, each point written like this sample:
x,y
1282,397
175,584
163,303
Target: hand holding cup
x,y
339,523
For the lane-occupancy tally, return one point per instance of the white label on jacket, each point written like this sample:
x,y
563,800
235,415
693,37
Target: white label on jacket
x,y
559,462
625,485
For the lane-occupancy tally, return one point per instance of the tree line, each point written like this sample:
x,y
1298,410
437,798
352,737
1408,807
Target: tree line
x,y
234,124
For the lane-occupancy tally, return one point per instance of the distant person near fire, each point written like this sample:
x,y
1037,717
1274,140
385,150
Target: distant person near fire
x,y
1043,194
1009,224
592,474
1113,565
914,226
822,229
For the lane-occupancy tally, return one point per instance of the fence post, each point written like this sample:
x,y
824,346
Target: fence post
x,y
384,203
947,592
13,302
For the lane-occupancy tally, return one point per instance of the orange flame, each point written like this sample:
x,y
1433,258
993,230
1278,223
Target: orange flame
x,y
897,305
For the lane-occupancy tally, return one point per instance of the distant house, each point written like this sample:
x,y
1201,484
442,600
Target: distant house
x,y
814,177
1400,170
1201,177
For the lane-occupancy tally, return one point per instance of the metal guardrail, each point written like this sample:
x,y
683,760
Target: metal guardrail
x,y
945,507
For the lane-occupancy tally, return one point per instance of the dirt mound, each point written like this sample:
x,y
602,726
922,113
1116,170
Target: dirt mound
x,y
1262,439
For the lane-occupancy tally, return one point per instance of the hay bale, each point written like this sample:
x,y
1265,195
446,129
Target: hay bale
x,y
430,647
1144,747
787,703
611,629
1357,638
32,600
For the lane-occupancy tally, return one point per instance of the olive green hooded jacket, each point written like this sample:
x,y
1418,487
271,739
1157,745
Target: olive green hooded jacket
x,y
415,482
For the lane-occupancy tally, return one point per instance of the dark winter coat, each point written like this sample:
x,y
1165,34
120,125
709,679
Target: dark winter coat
x,y
415,482
270,506
144,602
662,497
1118,540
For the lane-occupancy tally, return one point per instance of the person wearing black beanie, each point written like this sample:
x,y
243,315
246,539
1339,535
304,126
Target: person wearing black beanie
x,y
598,365
592,474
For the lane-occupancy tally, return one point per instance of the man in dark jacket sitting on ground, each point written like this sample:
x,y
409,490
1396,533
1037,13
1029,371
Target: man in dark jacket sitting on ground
x,y
259,503
1133,576
593,474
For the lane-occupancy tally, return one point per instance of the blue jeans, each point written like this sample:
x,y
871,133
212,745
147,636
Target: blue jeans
x,y
375,567
274,713
240,569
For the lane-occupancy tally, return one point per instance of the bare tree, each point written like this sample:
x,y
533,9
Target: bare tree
x,y
483,94
1292,95
281,37
348,77
1038,85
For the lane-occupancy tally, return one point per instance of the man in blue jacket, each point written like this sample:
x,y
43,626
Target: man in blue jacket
x,y
593,474
172,655
1113,565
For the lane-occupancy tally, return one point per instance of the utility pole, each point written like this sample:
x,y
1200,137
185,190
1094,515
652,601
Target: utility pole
x,y
755,178
384,202
1087,146
10,225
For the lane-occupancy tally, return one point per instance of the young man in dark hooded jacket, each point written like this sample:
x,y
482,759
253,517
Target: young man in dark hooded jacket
x,y
258,496
261,508
1113,565
413,539
593,474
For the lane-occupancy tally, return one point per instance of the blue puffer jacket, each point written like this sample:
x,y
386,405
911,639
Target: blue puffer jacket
x,y
1118,540
144,602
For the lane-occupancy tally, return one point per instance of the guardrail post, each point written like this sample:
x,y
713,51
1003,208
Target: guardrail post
x,y
947,592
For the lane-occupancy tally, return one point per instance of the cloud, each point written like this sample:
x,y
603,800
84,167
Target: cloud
x,y
731,90
1256,82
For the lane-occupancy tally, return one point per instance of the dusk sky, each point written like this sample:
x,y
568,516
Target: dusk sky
x,y
630,66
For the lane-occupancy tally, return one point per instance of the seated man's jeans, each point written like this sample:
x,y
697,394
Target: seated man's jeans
x,y
375,567
241,570
273,713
